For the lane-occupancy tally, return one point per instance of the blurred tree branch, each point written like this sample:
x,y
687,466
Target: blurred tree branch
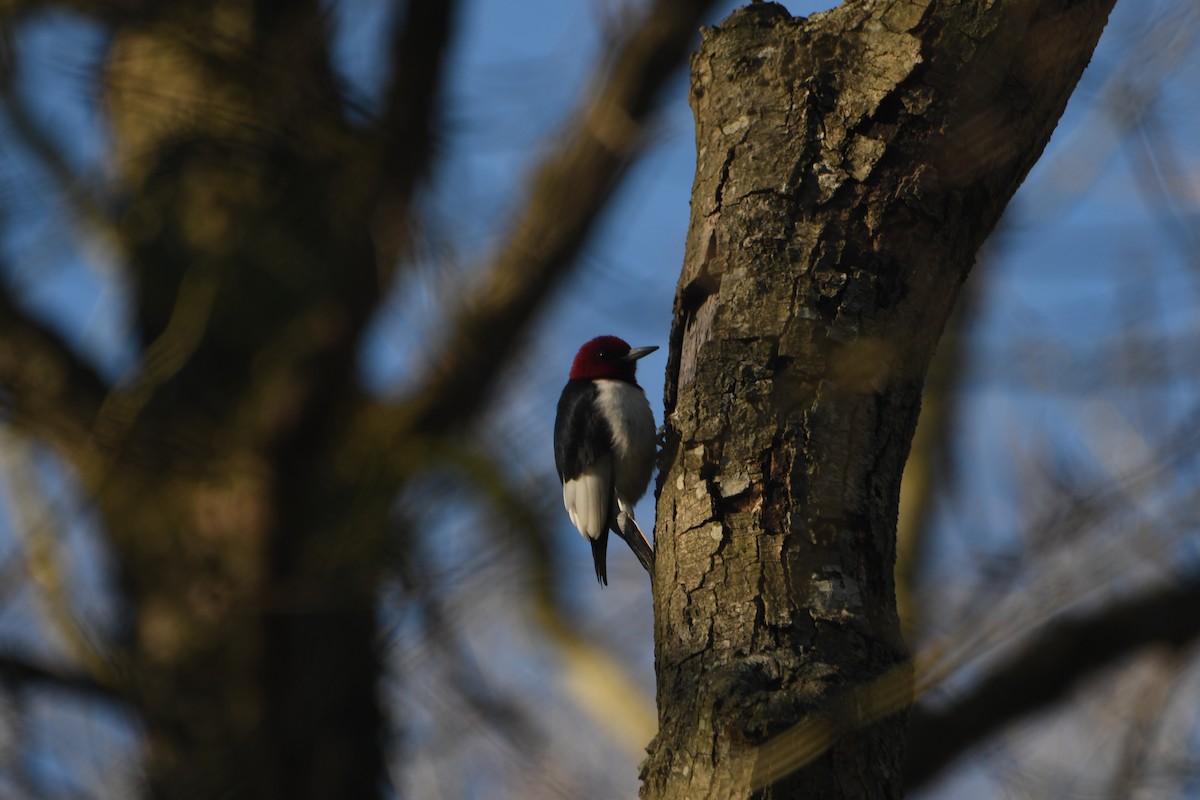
x,y
1147,716
598,682
407,127
260,225
46,390
1045,669
568,191
18,673
81,198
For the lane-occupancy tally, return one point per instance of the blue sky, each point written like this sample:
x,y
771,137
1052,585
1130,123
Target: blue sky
x,y
1056,283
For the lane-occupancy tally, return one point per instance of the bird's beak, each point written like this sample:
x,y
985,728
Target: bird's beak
x,y
638,352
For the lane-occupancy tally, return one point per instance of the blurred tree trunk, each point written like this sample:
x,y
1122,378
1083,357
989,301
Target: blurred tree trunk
x,y
849,168
245,480
248,543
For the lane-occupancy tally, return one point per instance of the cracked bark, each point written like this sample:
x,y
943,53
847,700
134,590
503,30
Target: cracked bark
x,y
849,166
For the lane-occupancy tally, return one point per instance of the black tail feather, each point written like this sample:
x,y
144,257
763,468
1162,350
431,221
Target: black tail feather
x,y
600,557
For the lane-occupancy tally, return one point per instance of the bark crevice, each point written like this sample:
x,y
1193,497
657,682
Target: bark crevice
x,y
835,210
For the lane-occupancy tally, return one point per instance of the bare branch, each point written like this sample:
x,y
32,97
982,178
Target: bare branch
x,y
45,388
409,120
569,190
599,683
81,198
1146,716
16,672
1045,669
113,11
38,531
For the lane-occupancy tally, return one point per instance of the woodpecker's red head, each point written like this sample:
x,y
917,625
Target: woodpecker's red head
x,y
608,357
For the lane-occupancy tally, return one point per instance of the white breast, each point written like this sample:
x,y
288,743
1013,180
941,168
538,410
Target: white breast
x,y
627,411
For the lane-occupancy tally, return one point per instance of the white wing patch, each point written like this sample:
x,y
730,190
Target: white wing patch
x,y
587,498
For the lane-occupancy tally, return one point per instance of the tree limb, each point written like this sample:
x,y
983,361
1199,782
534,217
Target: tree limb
x,y
24,127
569,190
18,673
1045,669
109,11
45,388
407,124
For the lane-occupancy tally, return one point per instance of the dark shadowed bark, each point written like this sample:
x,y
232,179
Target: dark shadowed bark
x,y
849,167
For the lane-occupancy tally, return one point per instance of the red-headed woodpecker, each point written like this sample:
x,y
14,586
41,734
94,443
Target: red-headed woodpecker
x,y
604,446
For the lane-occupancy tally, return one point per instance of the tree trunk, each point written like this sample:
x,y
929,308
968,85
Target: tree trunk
x,y
249,546
849,166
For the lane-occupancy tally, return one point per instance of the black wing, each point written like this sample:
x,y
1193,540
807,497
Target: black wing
x,y
580,435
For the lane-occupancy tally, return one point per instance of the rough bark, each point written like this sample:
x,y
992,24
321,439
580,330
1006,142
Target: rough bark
x,y
849,166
